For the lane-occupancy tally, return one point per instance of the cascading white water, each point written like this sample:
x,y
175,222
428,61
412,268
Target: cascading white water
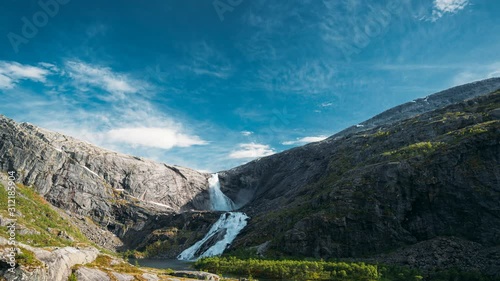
x,y
230,224
219,201
224,230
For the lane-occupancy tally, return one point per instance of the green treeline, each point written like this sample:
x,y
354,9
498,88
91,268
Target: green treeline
x,y
290,269
326,270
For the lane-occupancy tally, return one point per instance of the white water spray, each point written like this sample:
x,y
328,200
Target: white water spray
x,y
230,224
223,231
219,201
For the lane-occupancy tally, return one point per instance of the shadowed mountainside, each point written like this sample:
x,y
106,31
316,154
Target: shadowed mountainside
x,y
382,188
423,175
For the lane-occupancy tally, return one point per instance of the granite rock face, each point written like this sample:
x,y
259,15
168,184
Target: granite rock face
x,y
92,182
57,264
91,274
84,178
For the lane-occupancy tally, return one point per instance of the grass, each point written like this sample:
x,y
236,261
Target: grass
x,y
379,134
108,264
25,258
329,270
414,150
72,277
293,269
475,129
48,227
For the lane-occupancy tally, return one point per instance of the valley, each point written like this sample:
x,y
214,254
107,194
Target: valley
x,y
412,192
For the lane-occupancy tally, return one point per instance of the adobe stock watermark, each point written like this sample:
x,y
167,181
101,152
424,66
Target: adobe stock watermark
x,y
11,226
31,26
223,6
376,22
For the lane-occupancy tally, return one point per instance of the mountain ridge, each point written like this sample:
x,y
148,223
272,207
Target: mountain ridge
x,y
452,95
385,185
433,175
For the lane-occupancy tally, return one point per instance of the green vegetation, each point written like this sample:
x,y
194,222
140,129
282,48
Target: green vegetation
x,y
170,239
416,149
72,277
290,269
27,258
157,248
451,116
105,263
44,225
109,264
327,270
475,129
379,134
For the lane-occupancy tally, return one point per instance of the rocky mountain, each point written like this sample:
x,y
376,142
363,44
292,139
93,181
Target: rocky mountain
x,y
302,165
84,178
122,194
423,175
409,175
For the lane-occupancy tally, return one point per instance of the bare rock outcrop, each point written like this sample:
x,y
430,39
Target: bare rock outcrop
x,y
85,178
56,264
91,182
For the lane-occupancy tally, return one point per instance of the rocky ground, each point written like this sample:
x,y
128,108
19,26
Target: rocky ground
x,y
86,264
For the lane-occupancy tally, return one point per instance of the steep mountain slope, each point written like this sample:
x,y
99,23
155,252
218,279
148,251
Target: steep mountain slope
x,y
406,180
279,173
83,177
361,193
123,194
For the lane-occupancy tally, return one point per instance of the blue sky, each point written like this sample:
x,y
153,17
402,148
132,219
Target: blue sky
x,y
214,84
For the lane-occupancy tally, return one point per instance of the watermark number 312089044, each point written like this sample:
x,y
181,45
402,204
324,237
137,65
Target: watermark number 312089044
x,y
11,226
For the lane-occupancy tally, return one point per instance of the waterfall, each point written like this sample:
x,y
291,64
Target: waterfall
x,y
219,201
218,238
223,231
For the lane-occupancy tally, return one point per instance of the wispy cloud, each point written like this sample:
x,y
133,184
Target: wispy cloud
x,y
12,72
475,73
251,150
86,75
441,7
246,133
164,138
305,140
206,60
123,120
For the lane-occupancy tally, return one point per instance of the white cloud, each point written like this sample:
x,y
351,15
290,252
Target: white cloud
x,y
164,138
12,72
450,6
251,150
326,104
447,6
102,77
305,140
50,66
246,133
129,123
